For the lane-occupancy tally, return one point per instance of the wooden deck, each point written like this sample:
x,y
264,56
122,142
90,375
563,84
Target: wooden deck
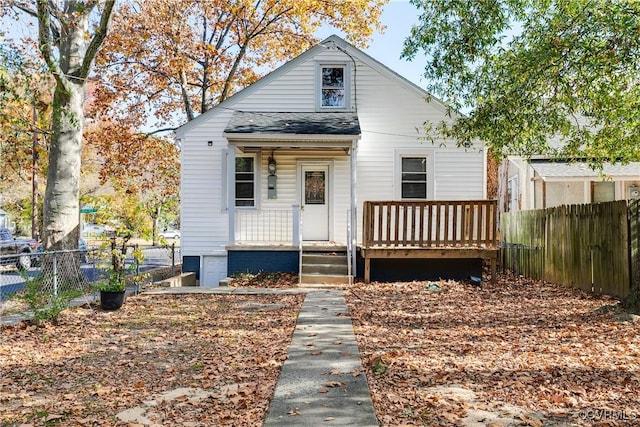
x,y
429,229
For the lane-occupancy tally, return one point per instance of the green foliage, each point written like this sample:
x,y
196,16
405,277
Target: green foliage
x,y
117,270
529,70
44,304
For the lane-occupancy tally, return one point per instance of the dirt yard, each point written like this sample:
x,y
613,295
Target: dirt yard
x,y
435,354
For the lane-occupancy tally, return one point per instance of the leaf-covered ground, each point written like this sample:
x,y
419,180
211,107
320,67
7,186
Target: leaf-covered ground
x,y
524,351
219,355
516,353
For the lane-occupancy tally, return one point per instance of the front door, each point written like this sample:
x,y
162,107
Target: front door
x,y
315,202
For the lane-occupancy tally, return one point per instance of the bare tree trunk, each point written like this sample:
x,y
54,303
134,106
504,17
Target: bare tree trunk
x,y
61,202
67,29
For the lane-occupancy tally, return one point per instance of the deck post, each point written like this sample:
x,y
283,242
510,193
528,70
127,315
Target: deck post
x,y
367,269
295,226
494,269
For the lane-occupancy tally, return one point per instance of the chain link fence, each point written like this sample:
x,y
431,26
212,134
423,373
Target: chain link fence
x,y
77,270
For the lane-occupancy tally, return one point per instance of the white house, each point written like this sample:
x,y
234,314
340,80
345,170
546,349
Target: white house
x,y
287,163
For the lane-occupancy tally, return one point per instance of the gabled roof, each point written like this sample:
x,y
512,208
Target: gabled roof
x,y
334,40
294,123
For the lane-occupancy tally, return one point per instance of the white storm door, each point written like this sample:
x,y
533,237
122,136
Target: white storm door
x,y
315,202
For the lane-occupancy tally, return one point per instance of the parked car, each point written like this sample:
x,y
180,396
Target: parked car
x,y
22,248
93,230
170,234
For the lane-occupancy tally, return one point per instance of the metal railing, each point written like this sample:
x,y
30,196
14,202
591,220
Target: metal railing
x,y
349,247
300,246
264,225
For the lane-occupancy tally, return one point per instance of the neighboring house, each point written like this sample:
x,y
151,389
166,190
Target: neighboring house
x,y
543,183
288,162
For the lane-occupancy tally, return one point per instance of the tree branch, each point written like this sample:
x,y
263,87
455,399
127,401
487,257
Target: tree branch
x,y
158,131
44,37
97,39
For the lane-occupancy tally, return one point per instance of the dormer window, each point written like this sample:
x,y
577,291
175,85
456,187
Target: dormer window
x,y
333,87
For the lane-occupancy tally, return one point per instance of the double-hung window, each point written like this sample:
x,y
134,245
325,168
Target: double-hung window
x,y
333,87
413,184
245,181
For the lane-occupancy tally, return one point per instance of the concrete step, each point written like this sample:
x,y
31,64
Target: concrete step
x,y
331,269
323,279
324,259
324,248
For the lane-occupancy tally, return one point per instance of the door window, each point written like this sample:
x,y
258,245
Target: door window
x,y
314,187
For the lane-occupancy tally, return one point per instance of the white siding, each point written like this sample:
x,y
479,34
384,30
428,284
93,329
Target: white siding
x,y
390,111
203,221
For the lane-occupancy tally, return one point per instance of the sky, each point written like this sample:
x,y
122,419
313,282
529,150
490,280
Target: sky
x,y
398,16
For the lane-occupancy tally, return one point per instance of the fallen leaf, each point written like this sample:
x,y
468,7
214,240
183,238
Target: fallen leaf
x,y
333,384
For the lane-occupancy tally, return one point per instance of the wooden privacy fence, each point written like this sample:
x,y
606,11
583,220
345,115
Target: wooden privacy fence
x,y
586,246
429,229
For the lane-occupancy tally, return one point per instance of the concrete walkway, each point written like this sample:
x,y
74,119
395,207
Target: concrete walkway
x,y
322,381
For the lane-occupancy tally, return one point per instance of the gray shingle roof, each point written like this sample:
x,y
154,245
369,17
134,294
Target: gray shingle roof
x,y
294,123
579,169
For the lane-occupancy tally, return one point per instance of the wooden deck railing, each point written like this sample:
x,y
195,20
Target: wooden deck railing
x,y
466,223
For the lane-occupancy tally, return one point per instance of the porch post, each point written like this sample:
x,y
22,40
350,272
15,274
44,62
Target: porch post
x,y
295,227
354,206
231,192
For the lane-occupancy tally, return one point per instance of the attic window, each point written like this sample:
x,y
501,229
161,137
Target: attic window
x,y
333,87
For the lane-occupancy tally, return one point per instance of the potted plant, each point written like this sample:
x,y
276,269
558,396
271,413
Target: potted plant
x,y
113,287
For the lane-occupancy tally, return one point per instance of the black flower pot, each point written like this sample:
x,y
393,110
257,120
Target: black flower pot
x,y
111,300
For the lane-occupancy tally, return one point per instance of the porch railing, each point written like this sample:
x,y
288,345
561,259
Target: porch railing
x,y
265,225
465,223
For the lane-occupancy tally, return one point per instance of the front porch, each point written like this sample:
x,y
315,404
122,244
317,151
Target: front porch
x,y
391,230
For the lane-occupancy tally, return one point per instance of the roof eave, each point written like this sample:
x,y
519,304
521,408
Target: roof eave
x,y
231,137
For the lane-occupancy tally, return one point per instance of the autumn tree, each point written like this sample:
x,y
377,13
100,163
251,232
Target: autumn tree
x,y
25,98
529,70
188,56
70,33
142,169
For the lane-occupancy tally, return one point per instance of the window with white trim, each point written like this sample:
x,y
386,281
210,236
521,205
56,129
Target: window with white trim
x,y
413,180
332,87
245,178
413,174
